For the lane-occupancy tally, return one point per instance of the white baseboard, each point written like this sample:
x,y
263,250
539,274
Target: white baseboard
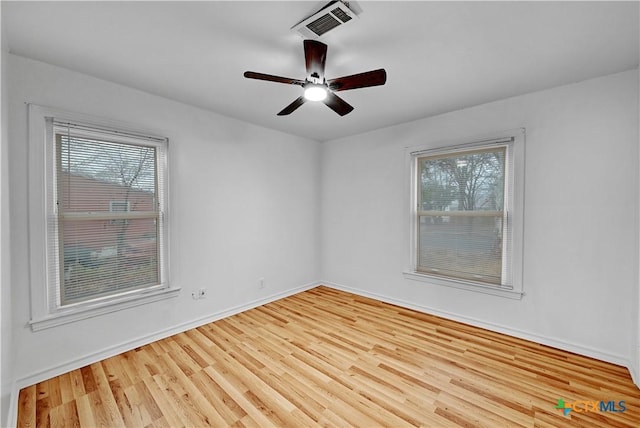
x,y
12,417
634,366
94,357
543,340
634,374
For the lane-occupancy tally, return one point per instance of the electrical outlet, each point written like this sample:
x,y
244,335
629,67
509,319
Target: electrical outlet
x,y
199,294
261,283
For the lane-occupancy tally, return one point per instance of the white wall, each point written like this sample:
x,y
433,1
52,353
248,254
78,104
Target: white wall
x,y
635,330
244,205
581,216
6,374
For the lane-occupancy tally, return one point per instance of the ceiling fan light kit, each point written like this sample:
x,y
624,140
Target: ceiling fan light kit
x,y
314,92
316,87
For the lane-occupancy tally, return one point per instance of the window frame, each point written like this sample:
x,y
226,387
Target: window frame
x,y
41,187
514,140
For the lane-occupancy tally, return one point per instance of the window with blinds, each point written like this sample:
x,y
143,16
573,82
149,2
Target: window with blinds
x,y
464,205
107,237
461,215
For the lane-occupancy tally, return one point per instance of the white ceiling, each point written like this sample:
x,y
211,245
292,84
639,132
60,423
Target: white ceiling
x,y
439,56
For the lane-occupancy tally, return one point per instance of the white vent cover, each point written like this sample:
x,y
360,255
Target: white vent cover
x,y
329,17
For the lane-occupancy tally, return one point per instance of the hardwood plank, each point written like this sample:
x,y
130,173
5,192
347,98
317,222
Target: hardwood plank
x,y
43,408
124,406
27,406
237,393
88,381
169,408
145,399
77,384
65,416
85,414
329,358
109,408
179,403
99,411
66,390
115,371
199,410
262,394
228,409
131,368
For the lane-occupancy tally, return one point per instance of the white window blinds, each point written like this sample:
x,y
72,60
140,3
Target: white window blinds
x,y
107,237
463,228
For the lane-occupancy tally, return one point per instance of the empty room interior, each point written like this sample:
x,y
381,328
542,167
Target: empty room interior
x,y
320,213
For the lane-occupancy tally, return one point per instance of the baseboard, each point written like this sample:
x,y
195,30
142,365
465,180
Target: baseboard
x,y
12,417
77,363
543,340
633,367
634,374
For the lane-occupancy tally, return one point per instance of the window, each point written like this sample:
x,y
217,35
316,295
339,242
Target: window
x,y
105,229
467,215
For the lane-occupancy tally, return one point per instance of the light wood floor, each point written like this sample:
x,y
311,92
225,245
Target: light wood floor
x,y
330,358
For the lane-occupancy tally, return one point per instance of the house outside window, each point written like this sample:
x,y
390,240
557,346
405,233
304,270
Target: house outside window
x,y
105,233
467,202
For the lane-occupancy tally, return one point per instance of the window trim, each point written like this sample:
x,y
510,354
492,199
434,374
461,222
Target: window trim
x,y
515,208
41,167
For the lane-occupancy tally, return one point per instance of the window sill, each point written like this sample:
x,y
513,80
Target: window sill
x,y
470,286
81,313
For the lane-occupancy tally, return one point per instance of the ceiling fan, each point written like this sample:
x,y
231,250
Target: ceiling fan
x,y
316,87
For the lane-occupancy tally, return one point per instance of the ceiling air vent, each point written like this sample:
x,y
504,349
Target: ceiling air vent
x,y
329,17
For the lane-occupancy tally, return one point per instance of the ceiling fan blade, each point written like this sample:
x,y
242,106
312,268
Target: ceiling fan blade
x,y
337,104
315,56
360,80
292,107
271,78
